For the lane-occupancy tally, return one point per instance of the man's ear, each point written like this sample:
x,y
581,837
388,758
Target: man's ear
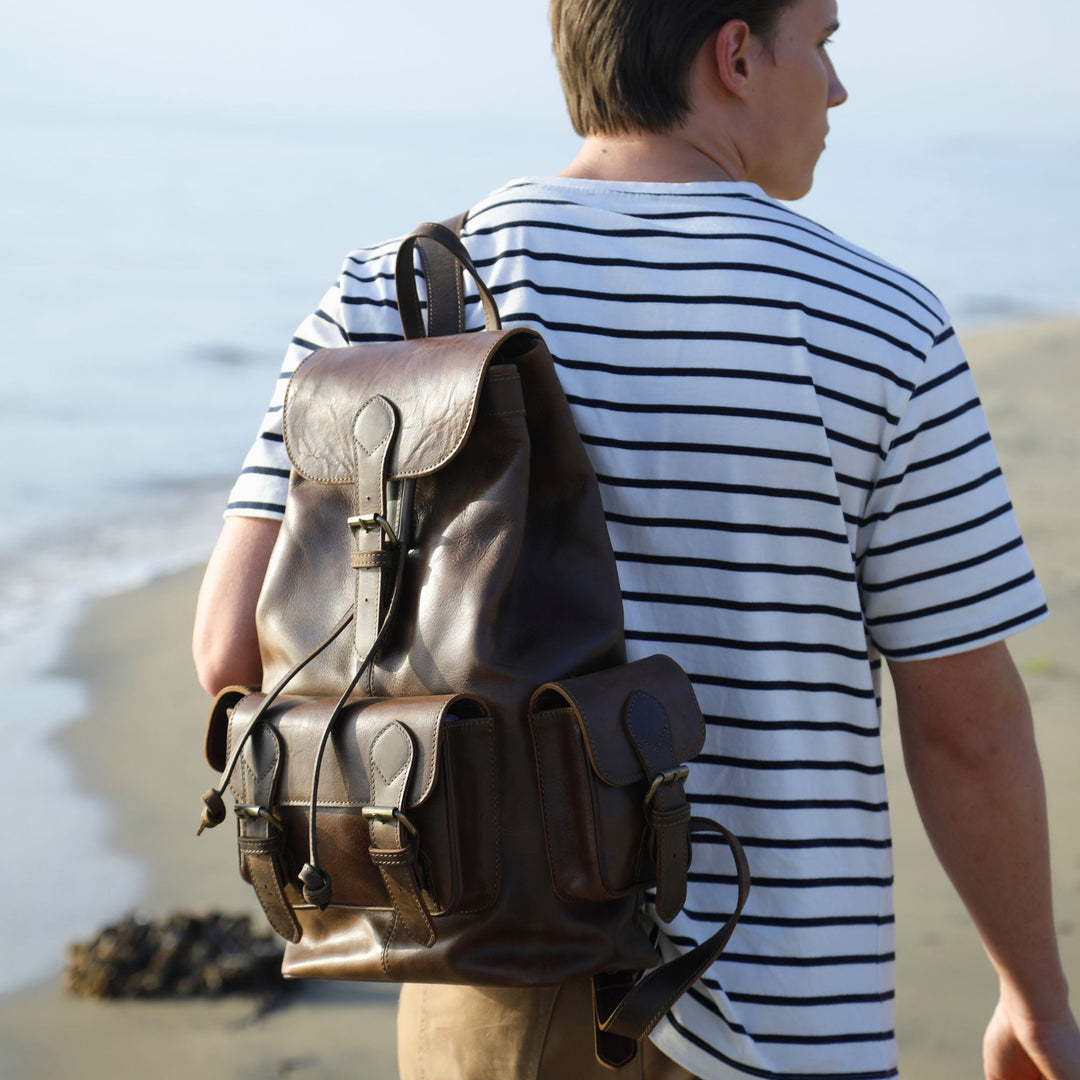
x,y
733,56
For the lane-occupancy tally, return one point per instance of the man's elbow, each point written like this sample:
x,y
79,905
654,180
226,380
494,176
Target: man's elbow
x,y
220,663
970,711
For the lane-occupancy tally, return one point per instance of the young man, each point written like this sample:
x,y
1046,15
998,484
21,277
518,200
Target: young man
x,y
798,481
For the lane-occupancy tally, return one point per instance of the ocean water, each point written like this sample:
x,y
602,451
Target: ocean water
x,y
152,267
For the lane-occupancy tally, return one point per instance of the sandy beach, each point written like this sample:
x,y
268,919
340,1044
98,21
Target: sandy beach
x,y
139,750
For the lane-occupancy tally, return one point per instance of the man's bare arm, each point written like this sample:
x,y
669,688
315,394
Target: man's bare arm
x,y
970,753
224,644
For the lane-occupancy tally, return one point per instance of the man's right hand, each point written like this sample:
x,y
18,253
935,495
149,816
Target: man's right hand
x,y
1025,1049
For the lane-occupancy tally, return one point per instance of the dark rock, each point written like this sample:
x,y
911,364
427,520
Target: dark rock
x,y
182,955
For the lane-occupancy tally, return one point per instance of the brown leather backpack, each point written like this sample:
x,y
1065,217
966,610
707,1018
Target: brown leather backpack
x,y
464,782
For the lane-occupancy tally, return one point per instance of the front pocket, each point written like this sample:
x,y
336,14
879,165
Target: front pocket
x,y
439,796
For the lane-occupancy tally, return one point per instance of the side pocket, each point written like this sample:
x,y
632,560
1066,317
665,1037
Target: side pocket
x,y
610,753
595,833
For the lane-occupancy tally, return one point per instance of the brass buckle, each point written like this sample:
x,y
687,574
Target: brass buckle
x,y
254,812
367,522
389,814
668,777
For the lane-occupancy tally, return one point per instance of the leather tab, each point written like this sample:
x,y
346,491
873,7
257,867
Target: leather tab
x,y
393,845
668,813
261,838
374,428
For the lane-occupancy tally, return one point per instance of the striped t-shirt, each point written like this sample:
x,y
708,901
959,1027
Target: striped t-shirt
x,y
798,480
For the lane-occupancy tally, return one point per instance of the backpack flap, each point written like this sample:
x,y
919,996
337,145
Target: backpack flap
x,y
611,751
436,385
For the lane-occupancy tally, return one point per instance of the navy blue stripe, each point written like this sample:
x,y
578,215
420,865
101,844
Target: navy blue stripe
x,y
804,1002
938,459
735,567
787,804
954,605
736,267
945,571
967,639
930,500
796,765
728,449
675,372
768,1074
669,234
784,218
936,422
276,507
822,726
712,336
673,409
742,605
941,534
716,642
264,470
726,527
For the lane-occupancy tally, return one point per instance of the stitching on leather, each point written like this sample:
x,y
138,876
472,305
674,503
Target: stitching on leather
x,y
285,409
473,408
336,478
384,960
376,768
374,399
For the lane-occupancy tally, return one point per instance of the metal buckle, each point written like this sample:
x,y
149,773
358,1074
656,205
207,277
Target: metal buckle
x,y
367,522
253,812
388,814
668,777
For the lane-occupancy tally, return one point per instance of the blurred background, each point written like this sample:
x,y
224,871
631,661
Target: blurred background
x,y
180,184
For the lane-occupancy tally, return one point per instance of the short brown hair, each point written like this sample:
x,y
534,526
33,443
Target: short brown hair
x,y
624,64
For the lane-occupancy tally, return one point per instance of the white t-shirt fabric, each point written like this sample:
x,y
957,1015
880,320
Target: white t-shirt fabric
x,y
798,480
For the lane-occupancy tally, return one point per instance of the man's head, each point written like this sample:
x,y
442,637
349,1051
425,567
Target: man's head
x,y
625,64
744,83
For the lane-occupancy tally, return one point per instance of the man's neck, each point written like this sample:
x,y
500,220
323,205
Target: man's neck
x,y
648,157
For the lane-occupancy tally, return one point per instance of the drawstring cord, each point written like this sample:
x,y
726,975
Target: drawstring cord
x,y
315,880
213,812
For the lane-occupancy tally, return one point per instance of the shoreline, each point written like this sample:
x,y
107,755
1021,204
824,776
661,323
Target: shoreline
x,y
137,752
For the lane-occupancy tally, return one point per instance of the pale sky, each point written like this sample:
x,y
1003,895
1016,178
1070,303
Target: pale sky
x,y
947,65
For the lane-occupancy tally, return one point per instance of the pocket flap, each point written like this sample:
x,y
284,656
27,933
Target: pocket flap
x,y
433,383
343,775
600,703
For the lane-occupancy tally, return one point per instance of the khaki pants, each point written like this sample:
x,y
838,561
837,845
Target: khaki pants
x,y
487,1033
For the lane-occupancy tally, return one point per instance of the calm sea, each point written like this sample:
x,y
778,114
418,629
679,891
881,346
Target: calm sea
x,y
154,265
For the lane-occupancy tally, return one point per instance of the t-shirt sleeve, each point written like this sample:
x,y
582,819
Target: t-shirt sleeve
x,y
263,482
942,565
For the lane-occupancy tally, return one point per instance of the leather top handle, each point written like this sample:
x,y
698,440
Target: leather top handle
x,y
445,313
